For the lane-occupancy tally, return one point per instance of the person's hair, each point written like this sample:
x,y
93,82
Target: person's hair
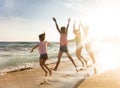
x,y
42,36
63,29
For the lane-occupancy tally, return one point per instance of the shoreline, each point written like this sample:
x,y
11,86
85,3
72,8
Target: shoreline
x,y
28,66
64,77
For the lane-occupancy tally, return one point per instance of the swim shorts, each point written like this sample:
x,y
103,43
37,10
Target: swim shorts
x,y
44,56
64,48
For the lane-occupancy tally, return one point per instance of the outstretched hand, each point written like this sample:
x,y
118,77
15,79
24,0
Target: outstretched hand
x,y
54,19
69,19
31,51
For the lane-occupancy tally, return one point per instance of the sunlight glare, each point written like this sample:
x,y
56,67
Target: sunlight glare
x,y
104,22
108,58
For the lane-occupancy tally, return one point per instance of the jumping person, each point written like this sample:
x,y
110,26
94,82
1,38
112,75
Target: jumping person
x,y
63,31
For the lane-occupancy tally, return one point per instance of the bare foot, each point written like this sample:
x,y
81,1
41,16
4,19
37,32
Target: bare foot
x,y
77,70
45,74
93,61
83,65
54,69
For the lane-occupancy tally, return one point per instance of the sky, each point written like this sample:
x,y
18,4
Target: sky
x,y
24,20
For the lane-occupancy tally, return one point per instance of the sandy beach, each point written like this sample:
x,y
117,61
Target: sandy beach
x,y
108,79
65,77
104,74
30,29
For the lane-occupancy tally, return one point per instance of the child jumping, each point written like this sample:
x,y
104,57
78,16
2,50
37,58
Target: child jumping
x,y
87,42
43,53
63,44
79,45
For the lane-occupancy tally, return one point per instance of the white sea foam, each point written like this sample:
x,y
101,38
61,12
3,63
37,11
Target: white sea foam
x,y
16,54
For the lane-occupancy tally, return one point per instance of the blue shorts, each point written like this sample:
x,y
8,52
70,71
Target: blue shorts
x,y
43,56
63,48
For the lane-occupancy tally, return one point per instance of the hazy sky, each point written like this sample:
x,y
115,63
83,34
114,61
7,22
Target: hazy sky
x,y
24,20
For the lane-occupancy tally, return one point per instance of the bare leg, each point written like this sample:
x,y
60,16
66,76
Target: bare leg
x,y
42,62
81,60
89,51
84,59
71,59
58,61
80,57
91,55
50,72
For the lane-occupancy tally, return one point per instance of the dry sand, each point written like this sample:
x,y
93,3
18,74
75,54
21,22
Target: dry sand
x,y
108,79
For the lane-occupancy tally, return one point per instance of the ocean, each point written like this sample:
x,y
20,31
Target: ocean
x,y
15,55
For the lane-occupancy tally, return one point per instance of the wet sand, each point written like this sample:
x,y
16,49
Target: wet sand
x,y
65,77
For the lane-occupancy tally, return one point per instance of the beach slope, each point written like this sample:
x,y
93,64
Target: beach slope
x,y
65,77
108,79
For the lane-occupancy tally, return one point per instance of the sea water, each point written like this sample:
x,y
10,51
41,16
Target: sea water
x,y
17,54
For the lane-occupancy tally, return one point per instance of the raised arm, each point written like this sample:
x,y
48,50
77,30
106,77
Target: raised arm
x,y
68,24
86,30
56,24
79,27
82,26
74,27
